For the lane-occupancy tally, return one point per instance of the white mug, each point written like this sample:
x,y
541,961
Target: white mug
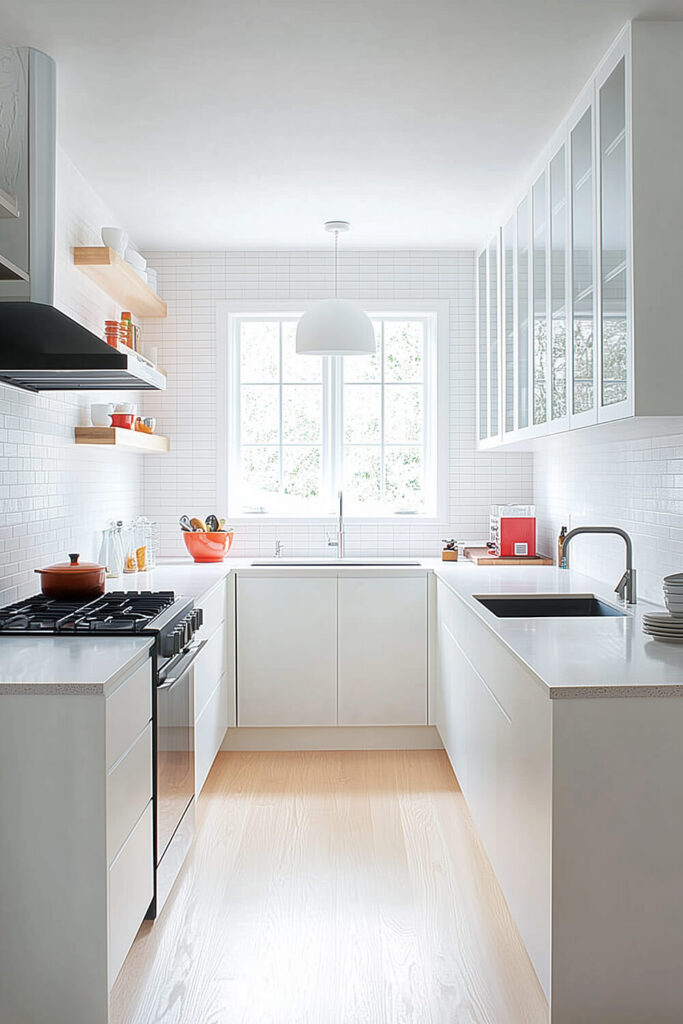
x,y
100,414
116,239
125,407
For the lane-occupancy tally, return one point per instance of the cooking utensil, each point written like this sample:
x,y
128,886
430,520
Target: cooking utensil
x,y
212,524
198,525
208,547
73,579
185,523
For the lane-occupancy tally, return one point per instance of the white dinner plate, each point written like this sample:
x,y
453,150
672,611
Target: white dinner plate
x,y
666,639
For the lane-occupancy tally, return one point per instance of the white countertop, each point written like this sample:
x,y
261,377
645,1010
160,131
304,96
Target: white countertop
x,y
573,657
68,664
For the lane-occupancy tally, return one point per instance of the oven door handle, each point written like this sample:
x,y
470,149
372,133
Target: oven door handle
x,y
186,661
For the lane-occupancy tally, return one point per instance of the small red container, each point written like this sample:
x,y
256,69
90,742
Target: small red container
x,y
123,419
208,547
73,580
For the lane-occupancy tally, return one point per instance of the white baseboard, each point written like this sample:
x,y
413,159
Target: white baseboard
x,y
347,737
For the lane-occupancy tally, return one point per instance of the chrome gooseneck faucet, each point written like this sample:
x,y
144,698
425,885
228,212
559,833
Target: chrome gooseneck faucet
x,y
339,542
626,587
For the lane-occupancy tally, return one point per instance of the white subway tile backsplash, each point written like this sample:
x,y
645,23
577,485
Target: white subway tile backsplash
x,y
193,282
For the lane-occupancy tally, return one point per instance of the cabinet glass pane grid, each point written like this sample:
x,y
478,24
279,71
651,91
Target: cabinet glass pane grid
x,y
523,362
508,331
613,304
582,265
482,346
493,321
539,292
557,284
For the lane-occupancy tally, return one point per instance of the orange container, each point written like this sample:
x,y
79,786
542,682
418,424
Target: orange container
x,y
208,547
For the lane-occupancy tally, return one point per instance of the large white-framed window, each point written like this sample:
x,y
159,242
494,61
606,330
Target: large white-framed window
x,y
294,430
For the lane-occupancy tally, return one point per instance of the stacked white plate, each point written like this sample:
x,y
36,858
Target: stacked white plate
x,y
660,626
673,593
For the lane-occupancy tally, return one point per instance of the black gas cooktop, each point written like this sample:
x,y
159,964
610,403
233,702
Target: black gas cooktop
x,y
117,612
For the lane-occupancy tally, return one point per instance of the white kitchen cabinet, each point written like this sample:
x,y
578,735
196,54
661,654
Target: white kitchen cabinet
x,y
597,260
214,678
382,651
286,650
495,724
76,842
489,346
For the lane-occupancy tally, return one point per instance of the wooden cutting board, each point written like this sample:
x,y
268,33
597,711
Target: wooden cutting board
x,y
483,556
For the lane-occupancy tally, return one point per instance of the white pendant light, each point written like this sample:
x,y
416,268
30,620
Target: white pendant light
x,y
335,327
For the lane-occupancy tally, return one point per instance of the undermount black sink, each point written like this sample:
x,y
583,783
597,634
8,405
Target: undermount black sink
x,y
534,606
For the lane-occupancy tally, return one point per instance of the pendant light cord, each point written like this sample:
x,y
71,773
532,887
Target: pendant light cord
x,y
336,263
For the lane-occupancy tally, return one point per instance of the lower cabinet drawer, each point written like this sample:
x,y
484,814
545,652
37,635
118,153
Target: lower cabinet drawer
x,y
131,888
208,669
127,711
210,729
129,790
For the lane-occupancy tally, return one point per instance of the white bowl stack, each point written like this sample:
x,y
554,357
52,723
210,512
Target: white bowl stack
x,y
668,627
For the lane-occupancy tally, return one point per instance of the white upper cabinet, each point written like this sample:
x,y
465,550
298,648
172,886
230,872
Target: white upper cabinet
x,y
489,344
578,321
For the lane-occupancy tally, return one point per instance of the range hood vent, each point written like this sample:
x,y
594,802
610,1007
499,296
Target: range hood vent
x,y
42,349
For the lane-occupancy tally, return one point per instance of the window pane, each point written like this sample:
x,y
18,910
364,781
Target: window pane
x,y
301,413
259,414
362,474
301,471
260,473
403,471
403,414
365,368
362,413
403,344
295,369
259,350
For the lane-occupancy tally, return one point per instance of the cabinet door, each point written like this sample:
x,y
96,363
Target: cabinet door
x,y
614,225
583,369
508,324
383,651
523,361
482,346
210,728
558,289
539,246
286,651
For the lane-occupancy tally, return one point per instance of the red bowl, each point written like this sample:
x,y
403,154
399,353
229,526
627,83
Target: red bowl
x,y
122,419
208,547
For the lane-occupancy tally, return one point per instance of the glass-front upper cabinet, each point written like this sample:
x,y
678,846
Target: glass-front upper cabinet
x,y
614,320
539,201
523,314
508,325
482,346
558,285
582,261
494,384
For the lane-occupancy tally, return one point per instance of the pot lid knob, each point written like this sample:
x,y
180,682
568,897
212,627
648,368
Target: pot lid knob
x,y
73,559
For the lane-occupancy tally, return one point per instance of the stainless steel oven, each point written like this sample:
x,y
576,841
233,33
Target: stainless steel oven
x,y
174,766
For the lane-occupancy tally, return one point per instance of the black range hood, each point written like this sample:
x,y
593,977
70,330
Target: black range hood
x,y
42,349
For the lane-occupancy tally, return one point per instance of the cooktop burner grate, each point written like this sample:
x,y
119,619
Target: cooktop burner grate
x,y
118,612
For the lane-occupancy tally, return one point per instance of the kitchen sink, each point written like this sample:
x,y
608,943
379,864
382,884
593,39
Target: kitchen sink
x,y
329,562
534,606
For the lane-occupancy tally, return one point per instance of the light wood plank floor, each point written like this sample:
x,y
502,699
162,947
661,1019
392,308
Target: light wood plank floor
x,y
332,888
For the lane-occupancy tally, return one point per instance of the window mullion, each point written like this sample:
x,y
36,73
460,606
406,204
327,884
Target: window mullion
x,y
382,477
281,394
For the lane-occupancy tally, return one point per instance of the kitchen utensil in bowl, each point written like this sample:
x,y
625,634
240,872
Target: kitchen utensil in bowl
x,y
198,524
100,414
208,547
122,419
212,524
185,524
73,579
115,238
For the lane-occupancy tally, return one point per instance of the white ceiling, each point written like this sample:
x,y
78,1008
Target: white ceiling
x,y
247,123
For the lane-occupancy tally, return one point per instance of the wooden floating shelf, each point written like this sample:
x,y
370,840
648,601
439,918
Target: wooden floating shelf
x,y
10,271
121,437
8,205
118,279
